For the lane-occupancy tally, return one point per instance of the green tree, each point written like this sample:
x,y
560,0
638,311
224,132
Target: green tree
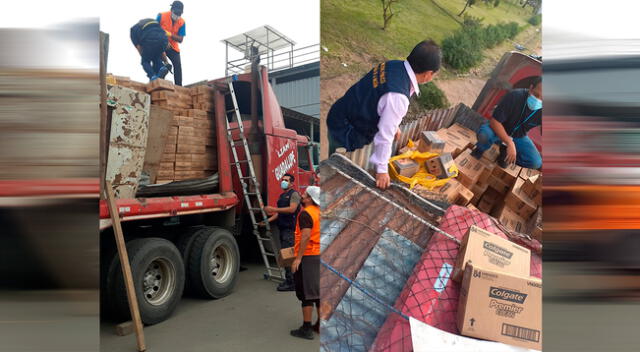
x,y
387,12
469,3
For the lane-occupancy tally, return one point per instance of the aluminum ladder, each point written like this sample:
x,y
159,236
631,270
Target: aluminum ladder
x,y
251,191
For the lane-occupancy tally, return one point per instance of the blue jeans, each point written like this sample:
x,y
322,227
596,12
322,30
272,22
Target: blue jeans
x,y
527,154
151,58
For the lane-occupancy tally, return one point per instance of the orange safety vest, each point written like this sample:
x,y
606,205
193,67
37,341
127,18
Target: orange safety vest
x,y
169,25
313,246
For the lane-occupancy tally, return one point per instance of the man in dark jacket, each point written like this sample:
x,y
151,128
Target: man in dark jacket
x,y
151,41
519,111
373,108
286,212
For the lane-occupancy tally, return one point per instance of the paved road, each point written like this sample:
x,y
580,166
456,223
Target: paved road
x,y
253,318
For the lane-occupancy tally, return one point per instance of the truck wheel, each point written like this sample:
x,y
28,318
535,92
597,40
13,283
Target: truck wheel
x,y
158,276
184,243
214,262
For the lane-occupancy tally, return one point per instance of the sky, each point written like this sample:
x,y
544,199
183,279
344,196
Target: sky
x,y
207,23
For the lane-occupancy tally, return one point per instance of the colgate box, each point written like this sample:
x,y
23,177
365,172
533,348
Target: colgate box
x,y
490,251
501,307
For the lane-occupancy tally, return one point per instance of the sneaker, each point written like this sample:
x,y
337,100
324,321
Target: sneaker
x,y
476,153
162,72
502,156
316,327
285,287
302,333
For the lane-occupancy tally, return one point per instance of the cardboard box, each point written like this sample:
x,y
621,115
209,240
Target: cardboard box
x,y
430,142
467,134
469,169
454,143
449,190
527,173
490,251
492,153
519,202
532,187
286,257
472,207
478,191
486,173
464,196
507,175
489,200
501,307
406,167
440,165
510,219
498,184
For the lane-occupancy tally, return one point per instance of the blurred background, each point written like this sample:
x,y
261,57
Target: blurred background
x,y
49,187
591,65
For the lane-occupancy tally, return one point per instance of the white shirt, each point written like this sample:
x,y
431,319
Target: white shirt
x,y
392,107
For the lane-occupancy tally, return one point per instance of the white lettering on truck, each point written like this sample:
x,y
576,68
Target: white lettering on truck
x,y
285,165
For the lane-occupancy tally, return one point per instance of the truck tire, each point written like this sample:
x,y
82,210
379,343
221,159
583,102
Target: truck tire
x,y
184,243
158,276
214,263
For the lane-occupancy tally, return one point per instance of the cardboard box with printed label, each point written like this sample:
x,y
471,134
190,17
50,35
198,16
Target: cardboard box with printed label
x,y
478,191
483,248
440,165
519,202
469,136
486,173
508,175
286,257
510,219
454,143
499,306
489,200
464,196
528,173
532,187
491,154
406,167
469,169
449,190
430,142
498,184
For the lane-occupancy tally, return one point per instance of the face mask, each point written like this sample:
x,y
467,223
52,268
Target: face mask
x,y
174,16
284,184
534,103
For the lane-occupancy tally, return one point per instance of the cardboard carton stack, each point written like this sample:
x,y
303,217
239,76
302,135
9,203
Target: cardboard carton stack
x,y
190,149
513,195
498,301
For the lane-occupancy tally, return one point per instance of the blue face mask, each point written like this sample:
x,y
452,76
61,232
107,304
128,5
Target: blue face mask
x,y
534,103
284,184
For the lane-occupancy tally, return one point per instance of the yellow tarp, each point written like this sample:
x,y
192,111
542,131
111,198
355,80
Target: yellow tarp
x,y
422,177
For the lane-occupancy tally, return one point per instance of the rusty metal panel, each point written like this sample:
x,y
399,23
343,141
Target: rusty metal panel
x,y
431,121
355,214
127,139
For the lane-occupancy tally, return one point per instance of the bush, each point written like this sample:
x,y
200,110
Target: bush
x,y
461,52
535,20
431,97
496,3
512,29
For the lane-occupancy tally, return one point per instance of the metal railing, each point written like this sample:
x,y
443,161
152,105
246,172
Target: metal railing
x,y
276,60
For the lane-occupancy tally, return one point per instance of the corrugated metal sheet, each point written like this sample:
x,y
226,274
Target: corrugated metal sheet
x,y
300,95
431,121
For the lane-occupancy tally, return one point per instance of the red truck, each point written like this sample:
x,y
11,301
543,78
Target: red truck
x,y
173,241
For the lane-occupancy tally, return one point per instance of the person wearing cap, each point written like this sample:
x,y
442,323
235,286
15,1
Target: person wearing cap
x,y
519,111
306,266
286,213
373,108
150,40
175,29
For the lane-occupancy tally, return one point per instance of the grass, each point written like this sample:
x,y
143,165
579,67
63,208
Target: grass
x,y
351,30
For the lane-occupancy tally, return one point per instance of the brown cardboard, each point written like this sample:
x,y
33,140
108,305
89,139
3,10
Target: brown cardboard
x,y
406,167
527,173
440,165
490,251
286,257
468,135
519,201
464,196
454,143
510,219
472,207
501,307
507,175
489,200
430,142
532,187
449,190
478,191
498,184
469,169
486,173
492,153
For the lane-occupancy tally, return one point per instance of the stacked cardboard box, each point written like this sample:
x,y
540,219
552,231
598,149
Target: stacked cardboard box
x,y
513,194
190,149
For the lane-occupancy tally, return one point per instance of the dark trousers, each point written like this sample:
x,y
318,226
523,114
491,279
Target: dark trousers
x,y
287,239
174,56
151,58
341,132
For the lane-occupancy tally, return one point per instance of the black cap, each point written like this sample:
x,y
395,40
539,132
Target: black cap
x,y
177,7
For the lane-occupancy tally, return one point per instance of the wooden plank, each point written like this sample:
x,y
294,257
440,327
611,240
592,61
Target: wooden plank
x,y
190,149
160,84
126,268
159,124
124,329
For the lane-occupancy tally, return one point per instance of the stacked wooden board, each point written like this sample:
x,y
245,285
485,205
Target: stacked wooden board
x,y
190,149
513,195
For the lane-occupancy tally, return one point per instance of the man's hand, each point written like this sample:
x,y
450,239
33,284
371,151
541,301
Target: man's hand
x,y
383,181
167,33
397,135
511,153
269,209
295,265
